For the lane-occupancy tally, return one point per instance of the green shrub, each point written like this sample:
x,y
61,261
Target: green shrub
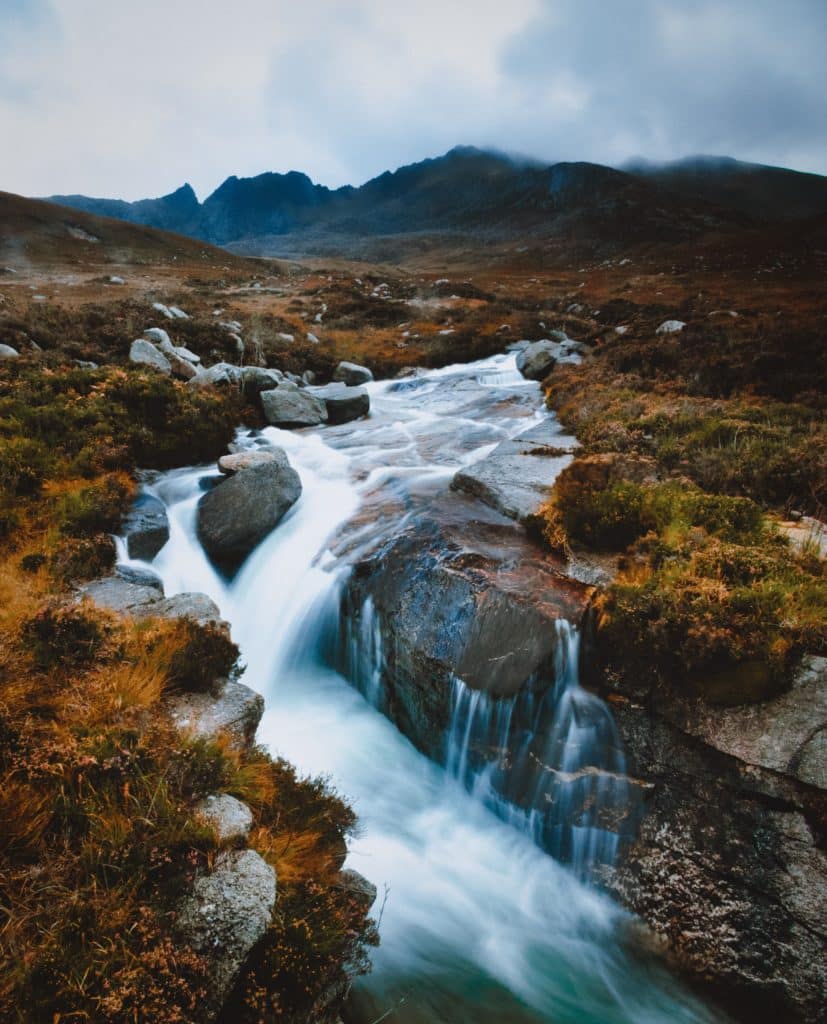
x,y
98,508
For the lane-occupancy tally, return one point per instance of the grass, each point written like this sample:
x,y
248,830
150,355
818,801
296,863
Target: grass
x,y
710,599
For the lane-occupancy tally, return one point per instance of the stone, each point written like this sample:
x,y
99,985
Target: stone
x,y
141,576
343,403
360,888
234,713
537,360
220,375
224,917
182,368
197,607
235,462
671,327
118,595
146,527
144,353
255,379
309,377
158,336
7,352
288,406
352,374
517,477
237,514
229,818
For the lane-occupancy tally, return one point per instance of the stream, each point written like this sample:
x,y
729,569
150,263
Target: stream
x,y
478,924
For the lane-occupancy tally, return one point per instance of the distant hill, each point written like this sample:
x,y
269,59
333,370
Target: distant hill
x,y
484,194
768,194
35,231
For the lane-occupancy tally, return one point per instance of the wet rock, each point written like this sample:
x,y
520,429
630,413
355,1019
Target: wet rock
x,y
460,592
234,713
537,360
288,406
729,866
238,514
517,477
146,527
343,403
229,818
7,352
235,462
142,577
352,374
224,917
144,353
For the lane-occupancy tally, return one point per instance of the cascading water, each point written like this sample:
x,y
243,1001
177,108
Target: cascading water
x,y
479,925
548,761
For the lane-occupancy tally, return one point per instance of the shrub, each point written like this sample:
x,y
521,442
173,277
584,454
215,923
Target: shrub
x,y
66,635
202,657
97,508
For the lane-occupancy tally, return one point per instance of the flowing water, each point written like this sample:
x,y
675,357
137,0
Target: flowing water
x,y
478,925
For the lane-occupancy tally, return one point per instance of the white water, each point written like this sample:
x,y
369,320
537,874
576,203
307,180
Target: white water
x,y
479,925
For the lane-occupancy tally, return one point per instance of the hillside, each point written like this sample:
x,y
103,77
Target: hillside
x,y
33,231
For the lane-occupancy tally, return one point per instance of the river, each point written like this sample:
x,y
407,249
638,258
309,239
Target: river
x,y
478,925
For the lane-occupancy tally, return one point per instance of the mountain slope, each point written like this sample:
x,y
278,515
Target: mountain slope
x,y
489,195
765,193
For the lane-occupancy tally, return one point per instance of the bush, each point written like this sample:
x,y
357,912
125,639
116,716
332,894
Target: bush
x,y
203,656
62,635
98,508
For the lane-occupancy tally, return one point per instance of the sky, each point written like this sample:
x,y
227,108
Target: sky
x,y
133,99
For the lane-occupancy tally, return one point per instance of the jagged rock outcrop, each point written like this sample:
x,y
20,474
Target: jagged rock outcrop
x,y
730,864
238,513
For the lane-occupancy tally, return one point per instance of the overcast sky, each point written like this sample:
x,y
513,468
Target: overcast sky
x,y
131,99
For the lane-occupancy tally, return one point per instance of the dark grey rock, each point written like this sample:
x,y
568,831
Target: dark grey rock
x,y
352,374
288,406
538,359
241,510
118,595
141,576
343,403
146,527
255,379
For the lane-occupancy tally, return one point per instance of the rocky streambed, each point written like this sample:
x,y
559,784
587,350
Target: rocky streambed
x,y
401,596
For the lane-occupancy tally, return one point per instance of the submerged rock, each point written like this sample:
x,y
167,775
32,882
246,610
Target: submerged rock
x,y
289,406
352,374
343,403
224,917
237,514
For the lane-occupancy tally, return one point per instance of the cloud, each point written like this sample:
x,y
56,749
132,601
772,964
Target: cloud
x,y
132,100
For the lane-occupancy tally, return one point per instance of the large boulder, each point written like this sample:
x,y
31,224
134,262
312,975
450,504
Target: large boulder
x,y
352,374
231,464
289,406
343,403
238,513
223,918
146,527
537,360
144,353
